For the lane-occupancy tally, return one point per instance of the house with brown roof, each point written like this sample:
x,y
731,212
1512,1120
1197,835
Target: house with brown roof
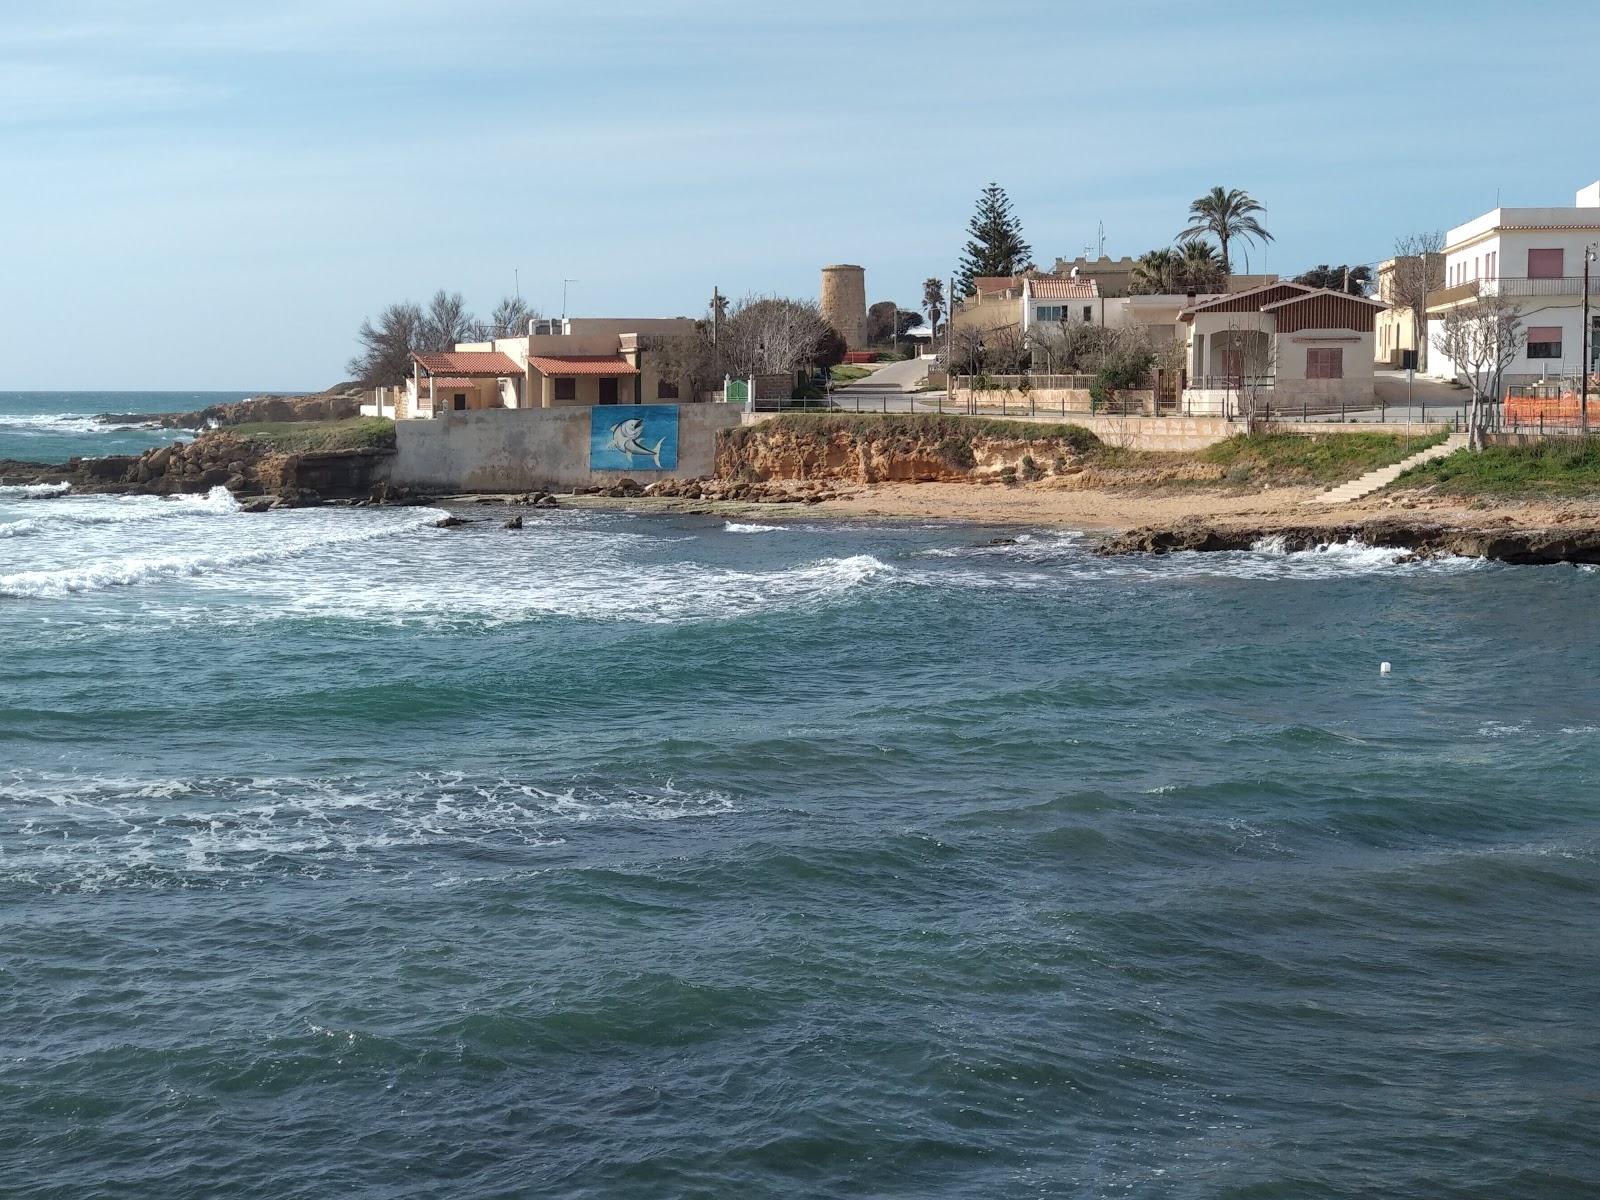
x,y
556,364
1284,345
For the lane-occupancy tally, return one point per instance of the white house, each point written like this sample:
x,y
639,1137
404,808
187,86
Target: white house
x,y
1284,344
1534,259
1047,300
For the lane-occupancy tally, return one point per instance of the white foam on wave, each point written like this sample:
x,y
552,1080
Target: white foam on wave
x,y
752,527
57,582
33,491
584,579
123,510
91,833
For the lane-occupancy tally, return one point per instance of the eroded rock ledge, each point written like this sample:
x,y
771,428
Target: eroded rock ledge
x,y
1532,546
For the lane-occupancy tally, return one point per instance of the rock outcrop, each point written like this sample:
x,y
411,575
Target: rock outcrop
x,y
335,404
244,466
910,449
1567,543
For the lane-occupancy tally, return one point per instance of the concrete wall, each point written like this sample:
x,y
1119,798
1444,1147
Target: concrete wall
x,y
514,450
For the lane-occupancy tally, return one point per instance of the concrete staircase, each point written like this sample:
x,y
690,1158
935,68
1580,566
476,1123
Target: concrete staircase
x,y
1373,480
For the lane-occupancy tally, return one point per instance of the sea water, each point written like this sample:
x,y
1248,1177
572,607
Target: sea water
x,y
51,427
659,856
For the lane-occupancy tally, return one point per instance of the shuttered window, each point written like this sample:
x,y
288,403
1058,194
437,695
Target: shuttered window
x,y
1544,341
1325,362
1544,264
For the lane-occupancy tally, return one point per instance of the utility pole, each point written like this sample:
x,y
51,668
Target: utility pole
x,y
1583,367
716,330
564,284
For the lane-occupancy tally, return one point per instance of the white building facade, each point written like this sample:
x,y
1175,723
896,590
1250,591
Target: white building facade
x,y
1533,258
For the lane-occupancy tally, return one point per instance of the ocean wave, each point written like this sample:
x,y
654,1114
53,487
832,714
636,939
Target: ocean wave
x,y
52,583
123,510
483,596
42,424
33,491
69,832
751,527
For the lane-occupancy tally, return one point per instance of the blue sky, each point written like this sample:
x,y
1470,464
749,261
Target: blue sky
x,y
212,195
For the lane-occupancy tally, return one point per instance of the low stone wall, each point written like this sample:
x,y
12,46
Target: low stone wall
x,y
521,449
1136,433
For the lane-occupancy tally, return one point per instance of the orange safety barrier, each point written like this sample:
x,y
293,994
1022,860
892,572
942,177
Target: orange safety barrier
x,y
1549,410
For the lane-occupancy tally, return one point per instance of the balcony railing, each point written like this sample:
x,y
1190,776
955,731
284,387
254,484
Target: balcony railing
x,y
1515,288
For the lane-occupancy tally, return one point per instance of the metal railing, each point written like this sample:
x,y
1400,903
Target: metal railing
x,y
1512,287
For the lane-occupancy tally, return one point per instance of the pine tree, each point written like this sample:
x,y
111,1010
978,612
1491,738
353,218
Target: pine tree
x,y
995,246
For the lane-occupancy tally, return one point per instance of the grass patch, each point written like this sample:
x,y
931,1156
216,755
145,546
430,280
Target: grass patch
x,y
848,372
915,426
1567,467
303,437
1288,458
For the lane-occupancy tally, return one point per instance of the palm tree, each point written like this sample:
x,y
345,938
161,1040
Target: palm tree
x,y
1198,268
1154,274
933,300
1226,214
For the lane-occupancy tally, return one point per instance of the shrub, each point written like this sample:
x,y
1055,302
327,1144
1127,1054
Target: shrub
x,y
1029,470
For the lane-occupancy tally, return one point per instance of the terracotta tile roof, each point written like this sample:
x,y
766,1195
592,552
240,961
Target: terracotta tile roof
x,y
984,284
582,364
442,383
470,363
1065,289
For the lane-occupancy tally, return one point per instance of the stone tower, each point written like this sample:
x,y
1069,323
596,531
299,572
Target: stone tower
x,y
844,302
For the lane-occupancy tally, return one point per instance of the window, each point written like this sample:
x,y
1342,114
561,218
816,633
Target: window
x,y
1050,312
1088,312
1325,362
1491,264
459,402
1544,341
1475,261
566,388
666,390
1544,264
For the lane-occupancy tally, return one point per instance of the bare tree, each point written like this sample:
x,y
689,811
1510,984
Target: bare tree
x,y
1481,340
687,360
1418,270
1257,356
510,317
769,335
446,321
1000,350
386,347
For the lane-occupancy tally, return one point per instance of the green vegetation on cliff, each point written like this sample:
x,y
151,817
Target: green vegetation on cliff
x,y
1568,467
918,427
1292,458
310,437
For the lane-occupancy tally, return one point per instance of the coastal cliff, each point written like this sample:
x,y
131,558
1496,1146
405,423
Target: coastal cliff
x,y
907,449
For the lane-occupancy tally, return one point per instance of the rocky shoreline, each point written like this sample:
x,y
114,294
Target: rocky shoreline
x,y
336,404
1501,542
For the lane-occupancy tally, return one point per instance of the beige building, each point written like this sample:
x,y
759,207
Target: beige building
x,y
577,362
1397,324
1284,344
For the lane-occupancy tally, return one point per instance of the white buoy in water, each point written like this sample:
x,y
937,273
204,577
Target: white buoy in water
x,y
1383,668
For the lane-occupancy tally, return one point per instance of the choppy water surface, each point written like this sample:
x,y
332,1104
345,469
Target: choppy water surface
x,y
638,856
51,427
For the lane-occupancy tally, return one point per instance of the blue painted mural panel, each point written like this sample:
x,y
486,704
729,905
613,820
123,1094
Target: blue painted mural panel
x,y
633,437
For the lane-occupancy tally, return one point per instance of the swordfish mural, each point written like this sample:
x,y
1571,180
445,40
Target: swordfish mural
x,y
638,437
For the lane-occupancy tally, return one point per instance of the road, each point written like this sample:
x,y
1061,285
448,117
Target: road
x,y
899,376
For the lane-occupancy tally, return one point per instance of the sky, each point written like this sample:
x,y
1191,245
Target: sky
x,y
213,195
